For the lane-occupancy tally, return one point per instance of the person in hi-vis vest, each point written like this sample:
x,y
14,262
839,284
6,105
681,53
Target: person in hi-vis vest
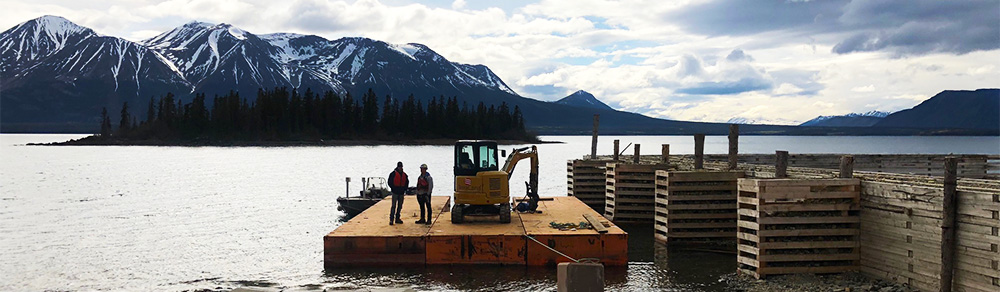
x,y
398,182
425,185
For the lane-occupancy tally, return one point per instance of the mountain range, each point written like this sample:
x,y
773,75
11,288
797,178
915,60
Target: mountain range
x,y
56,76
849,120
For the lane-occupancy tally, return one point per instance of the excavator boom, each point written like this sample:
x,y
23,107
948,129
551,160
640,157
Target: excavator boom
x,y
519,154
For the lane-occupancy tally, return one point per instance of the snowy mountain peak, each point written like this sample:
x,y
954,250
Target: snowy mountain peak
x,y
848,120
197,24
58,26
409,50
37,39
583,99
877,114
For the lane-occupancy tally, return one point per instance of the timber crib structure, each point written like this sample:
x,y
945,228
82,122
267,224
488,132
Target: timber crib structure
x,y
929,221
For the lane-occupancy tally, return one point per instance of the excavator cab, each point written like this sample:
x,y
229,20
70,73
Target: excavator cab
x,y
480,187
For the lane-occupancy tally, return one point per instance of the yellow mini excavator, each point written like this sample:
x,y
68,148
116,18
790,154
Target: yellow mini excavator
x,y
482,188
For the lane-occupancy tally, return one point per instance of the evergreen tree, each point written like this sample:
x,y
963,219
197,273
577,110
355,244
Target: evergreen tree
x,y
105,123
125,124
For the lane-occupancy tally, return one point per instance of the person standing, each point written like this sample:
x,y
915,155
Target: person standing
x,y
425,185
398,182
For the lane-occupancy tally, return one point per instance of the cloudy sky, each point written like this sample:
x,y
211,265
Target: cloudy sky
x,y
782,61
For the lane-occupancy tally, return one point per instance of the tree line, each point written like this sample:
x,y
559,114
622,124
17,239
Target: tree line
x,y
283,115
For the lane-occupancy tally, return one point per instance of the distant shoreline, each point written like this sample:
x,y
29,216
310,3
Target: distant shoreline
x,y
363,142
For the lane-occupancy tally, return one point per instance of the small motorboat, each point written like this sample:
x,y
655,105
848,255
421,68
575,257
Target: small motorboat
x,y
373,189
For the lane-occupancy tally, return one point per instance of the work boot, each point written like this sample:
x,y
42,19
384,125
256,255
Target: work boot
x,y
421,221
390,221
399,221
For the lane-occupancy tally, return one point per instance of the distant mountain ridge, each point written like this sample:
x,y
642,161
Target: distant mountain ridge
x,y
849,120
951,109
582,98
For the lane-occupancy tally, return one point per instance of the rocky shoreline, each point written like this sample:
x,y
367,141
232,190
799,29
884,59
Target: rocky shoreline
x,y
847,282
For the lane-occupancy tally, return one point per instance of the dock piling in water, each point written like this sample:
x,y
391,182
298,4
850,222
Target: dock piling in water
x,y
699,151
593,139
734,142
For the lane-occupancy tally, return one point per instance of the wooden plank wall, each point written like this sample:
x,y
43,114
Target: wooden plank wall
x,y
969,166
901,235
792,226
901,225
585,180
696,206
630,195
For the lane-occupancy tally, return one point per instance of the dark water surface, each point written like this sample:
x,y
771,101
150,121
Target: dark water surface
x,y
90,218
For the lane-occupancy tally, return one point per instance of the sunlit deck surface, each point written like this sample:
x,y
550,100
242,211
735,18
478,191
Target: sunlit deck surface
x,y
369,240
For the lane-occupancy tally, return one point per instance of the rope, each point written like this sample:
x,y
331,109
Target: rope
x,y
552,249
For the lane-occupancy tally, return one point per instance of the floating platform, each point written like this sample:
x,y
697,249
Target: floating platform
x,y
369,240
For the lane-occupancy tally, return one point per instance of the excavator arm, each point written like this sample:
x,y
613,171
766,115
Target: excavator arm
x,y
518,155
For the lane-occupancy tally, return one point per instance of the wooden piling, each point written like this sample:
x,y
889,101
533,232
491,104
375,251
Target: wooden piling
x,y
948,223
781,164
635,157
665,153
847,166
699,151
734,142
615,155
593,139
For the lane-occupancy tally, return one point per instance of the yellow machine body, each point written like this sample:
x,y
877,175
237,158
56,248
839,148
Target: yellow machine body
x,y
485,188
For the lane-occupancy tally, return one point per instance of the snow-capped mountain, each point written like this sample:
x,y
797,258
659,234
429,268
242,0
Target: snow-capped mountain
x,y
56,71
217,58
849,120
742,121
38,38
583,99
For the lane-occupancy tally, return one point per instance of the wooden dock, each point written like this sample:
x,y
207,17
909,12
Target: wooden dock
x,y
368,239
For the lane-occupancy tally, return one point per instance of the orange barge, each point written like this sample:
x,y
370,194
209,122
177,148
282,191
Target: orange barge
x,y
368,239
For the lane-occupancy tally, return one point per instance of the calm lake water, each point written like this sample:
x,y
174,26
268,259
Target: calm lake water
x,y
83,218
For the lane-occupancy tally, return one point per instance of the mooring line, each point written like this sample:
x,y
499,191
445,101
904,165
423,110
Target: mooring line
x,y
552,249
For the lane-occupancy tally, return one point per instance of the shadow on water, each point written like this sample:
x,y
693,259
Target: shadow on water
x,y
651,267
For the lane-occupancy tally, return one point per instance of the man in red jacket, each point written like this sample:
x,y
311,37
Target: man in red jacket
x,y
398,182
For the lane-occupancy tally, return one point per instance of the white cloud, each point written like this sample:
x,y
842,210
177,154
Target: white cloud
x,y
866,88
628,53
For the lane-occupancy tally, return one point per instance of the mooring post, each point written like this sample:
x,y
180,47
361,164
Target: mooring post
x,y
615,155
950,208
593,140
847,166
665,153
699,151
734,145
635,157
781,164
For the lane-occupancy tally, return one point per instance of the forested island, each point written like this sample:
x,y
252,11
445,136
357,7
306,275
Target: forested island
x,y
287,117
